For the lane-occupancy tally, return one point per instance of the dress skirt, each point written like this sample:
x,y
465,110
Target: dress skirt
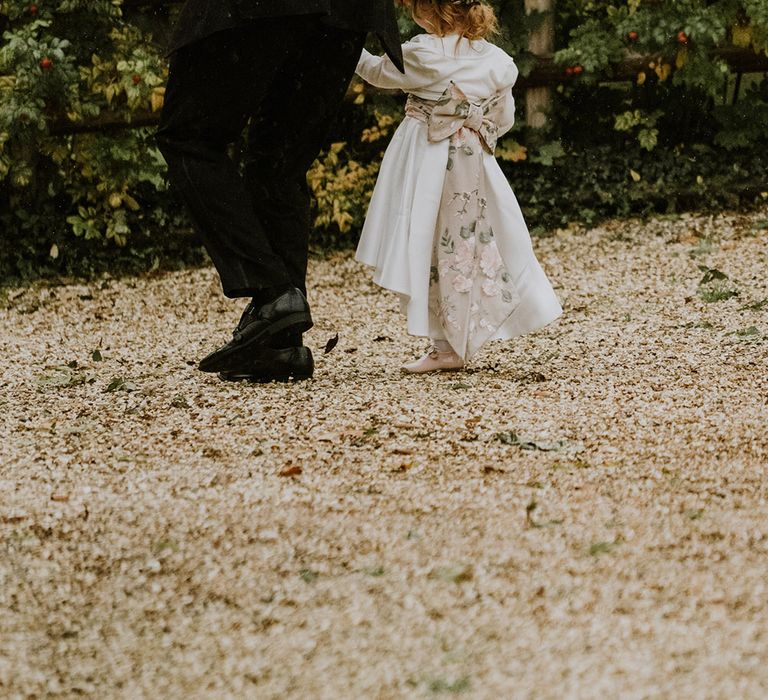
x,y
399,235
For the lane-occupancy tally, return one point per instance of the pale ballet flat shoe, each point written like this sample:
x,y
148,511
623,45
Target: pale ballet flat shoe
x,y
435,361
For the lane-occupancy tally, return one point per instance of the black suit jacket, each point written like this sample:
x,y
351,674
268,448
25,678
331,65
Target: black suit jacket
x,y
201,18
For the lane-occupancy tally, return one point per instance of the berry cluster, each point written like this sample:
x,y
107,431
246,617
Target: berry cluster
x,y
682,37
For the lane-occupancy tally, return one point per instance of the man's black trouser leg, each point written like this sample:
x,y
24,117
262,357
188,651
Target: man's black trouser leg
x,y
286,135
256,234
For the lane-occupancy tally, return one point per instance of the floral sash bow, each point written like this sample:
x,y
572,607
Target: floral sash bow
x,y
453,111
471,293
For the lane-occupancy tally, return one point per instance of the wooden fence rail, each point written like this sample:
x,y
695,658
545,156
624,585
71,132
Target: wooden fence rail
x,y
545,73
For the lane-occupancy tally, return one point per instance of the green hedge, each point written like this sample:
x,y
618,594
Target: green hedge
x,y
677,136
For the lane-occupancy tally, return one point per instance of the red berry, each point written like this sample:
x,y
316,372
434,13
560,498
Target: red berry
x,y
46,63
682,38
32,9
569,71
578,70
136,78
632,36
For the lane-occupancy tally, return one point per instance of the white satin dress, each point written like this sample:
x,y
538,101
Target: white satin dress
x,y
462,262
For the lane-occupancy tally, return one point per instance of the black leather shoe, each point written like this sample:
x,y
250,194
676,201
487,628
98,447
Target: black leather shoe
x,y
272,365
261,327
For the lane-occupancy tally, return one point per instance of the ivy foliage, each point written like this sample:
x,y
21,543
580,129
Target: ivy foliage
x,y
683,42
705,126
64,64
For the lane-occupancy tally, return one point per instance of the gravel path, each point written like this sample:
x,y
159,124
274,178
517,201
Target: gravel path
x,y
581,515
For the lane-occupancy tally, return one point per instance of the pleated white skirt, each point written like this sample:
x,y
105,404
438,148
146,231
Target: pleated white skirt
x,y
399,233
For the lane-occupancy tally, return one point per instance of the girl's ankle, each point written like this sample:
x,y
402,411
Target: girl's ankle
x,y
442,346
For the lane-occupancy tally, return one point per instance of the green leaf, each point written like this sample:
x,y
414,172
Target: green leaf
x,y
308,576
512,438
457,573
440,685
601,548
711,274
648,138
755,306
459,386
717,291
121,384
179,401
548,154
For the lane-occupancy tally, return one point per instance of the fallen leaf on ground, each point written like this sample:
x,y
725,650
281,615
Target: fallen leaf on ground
x,y
331,344
292,470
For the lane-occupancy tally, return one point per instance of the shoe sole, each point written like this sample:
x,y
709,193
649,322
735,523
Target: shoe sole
x,y
259,379
269,365
293,323
432,371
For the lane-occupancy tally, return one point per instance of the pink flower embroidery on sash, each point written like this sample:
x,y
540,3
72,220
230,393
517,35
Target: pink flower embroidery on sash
x,y
471,292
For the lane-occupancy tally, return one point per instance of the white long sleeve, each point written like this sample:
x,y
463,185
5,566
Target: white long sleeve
x,y
381,72
507,118
432,63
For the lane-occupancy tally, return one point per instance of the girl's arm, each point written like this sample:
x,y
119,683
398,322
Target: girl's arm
x,y
507,114
381,72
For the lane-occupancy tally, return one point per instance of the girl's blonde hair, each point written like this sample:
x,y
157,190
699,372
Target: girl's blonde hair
x,y
469,19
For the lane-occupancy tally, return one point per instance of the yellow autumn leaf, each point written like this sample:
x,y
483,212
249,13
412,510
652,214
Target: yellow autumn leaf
x,y
636,176
115,200
641,77
59,153
512,151
131,202
682,57
663,70
157,99
54,252
742,35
